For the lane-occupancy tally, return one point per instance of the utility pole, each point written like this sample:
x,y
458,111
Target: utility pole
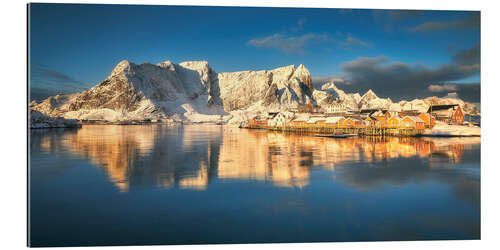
x,y
430,117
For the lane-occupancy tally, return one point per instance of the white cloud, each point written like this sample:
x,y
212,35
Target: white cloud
x,y
354,41
442,88
289,44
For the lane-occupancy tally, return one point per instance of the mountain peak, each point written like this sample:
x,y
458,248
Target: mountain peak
x,y
122,66
370,94
166,65
328,85
302,73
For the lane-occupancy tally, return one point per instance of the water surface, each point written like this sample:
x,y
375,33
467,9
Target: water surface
x,y
158,184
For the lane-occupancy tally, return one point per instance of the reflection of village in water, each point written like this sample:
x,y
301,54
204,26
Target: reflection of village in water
x,y
193,156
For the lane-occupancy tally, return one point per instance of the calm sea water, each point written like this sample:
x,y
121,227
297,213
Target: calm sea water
x,y
158,184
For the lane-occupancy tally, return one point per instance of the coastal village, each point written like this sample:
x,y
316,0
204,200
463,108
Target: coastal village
x,y
289,103
337,120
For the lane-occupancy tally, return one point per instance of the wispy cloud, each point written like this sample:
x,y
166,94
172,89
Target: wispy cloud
x,y
45,81
442,88
297,42
319,81
289,44
473,21
42,73
390,20
350,41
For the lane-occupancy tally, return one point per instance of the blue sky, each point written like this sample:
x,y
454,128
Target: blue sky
x,y
73,47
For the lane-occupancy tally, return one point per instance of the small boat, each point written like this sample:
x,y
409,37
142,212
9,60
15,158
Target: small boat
x,y
335,135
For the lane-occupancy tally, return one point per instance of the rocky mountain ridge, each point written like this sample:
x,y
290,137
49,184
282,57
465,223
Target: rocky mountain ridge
x,y
193,91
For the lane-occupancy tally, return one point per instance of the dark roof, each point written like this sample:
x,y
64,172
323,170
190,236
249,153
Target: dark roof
x,y
440,107
371,111
410,112
271,115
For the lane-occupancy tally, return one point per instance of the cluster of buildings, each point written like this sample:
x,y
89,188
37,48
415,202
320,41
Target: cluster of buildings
x,y
337,116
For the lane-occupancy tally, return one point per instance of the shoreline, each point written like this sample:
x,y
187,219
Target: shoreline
x,y
306,130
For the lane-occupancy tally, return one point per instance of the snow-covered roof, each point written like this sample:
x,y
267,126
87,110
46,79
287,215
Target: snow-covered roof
x,y
316,119
300,119
333,119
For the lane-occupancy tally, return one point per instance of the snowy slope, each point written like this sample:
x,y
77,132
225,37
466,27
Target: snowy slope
x,y
39,120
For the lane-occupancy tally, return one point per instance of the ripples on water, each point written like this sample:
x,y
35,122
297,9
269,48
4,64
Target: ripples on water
x,y
363,182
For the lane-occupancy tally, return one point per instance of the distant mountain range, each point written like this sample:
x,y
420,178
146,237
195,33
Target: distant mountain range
x,y
193,91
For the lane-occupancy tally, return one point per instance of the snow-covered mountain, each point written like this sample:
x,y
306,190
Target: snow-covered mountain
x,y
185,91
370,100
192,91
145,91
423,104
351,100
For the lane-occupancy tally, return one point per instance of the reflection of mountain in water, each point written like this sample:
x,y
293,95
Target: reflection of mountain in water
x,y
190,156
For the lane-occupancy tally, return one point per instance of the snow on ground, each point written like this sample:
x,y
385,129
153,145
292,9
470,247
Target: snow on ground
x,y
443,129
447,141
39,120
104,114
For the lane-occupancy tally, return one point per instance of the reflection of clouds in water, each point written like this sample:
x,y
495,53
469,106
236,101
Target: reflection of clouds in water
x,y
190,156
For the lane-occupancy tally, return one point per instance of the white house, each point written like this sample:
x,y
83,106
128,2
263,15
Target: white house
x,y
278,119
336,108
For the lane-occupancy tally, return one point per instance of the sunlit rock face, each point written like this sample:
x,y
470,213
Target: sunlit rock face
x,y
282,86
54,106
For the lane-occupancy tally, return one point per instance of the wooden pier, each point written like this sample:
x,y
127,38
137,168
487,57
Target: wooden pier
x,y
364,131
